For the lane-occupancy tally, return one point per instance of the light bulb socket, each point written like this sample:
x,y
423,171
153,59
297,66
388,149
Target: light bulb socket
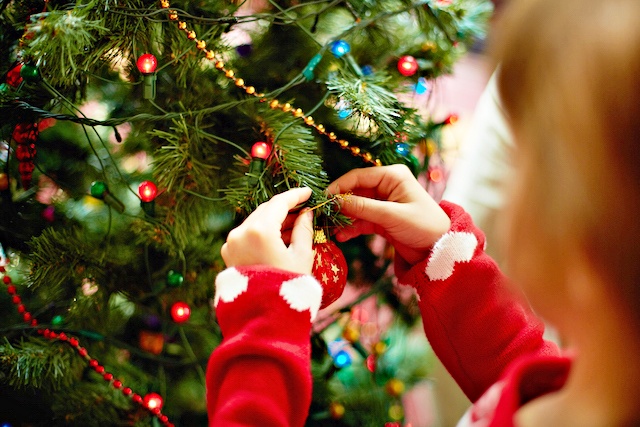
x,y
256,166
149,86
149,208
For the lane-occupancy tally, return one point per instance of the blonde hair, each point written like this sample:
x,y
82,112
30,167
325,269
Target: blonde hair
x,y
569,79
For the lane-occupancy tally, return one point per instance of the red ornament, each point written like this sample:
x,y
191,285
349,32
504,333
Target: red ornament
x,y
180,312
152,401
407,65
147,63
329,268
147,191
25,135
260,150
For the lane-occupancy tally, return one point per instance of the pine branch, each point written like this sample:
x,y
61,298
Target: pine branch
x,y
60,39
107,405
373,108
294,162
55,268
38,364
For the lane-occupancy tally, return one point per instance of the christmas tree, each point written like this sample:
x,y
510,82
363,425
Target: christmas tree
x,y
134,135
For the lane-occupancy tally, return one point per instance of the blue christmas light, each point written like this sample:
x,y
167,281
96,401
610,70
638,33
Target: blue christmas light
x,y
421,86
343,114
367,70
403,149
342,359
340,48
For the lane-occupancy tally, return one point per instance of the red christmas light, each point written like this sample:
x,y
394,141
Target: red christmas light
x,y
407,65
180,312
153,401
453,118
147,63
260,150
435,175
147,191
13,76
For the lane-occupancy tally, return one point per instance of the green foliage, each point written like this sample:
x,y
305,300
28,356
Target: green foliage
x,y
38,364
293,162
59,40
374,109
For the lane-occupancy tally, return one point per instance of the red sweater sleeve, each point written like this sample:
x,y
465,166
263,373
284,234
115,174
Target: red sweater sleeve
x,y
474,324
260,374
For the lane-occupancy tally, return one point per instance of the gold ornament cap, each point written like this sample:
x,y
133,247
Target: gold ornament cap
x,y
319,236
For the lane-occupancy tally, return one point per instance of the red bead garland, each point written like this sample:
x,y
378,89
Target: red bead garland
x,y
25,136
75,343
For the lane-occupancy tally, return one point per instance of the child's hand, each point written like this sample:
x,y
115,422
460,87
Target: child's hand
x,y
259,239
390,202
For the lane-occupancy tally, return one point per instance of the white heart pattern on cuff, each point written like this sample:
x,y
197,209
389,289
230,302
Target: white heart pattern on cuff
x,y
302,293
453,247
230,283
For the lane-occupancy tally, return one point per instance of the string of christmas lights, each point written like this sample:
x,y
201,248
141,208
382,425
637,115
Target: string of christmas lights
x,y
251,90
152,402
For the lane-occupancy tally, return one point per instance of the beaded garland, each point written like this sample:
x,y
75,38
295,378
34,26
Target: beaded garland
x,y
250,90
75,344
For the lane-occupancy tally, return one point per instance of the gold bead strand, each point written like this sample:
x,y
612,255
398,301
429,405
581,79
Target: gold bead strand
x,y
250,90
319,127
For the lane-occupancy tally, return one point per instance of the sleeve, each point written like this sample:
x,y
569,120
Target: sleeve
x,y
260,374
473,320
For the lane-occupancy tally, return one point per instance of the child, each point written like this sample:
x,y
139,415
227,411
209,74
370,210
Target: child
x,y
569,80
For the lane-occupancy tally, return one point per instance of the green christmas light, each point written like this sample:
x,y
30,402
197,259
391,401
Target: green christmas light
x,y
174,278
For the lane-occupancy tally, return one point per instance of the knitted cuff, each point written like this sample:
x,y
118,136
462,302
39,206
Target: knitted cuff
x,y
272,296
460,244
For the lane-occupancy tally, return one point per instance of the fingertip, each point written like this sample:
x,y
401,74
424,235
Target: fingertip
x,y
340,237
307,216
294,196
304,193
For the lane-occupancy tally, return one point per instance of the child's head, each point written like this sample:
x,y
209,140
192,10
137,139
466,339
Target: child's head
x,y
570,82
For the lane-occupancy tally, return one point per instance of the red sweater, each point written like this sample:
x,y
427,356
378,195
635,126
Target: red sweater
x,y
488,339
